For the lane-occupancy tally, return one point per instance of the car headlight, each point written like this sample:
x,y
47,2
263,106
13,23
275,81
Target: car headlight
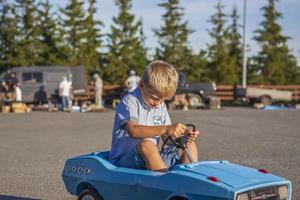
x,y
243,196
283,192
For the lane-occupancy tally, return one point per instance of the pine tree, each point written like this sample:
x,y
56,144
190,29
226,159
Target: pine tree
x,y
173,36
52,52
126,50
197,73
220,66
235,45
274,63
73,23
8,36
92,43
29,51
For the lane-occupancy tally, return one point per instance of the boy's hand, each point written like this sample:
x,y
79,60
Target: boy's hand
x,y
176,130
192,135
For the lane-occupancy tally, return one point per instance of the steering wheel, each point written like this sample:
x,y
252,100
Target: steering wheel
x,y
180,142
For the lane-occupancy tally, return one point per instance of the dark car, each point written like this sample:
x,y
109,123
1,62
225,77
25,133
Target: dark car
x,y
197,94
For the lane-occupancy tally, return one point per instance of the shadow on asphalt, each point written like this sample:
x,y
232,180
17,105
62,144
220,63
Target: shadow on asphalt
x,y
6,197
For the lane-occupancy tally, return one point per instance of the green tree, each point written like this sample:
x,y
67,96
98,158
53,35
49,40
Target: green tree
x,y
53,51
274,63
8,36
197,73
173,36
220,65
74,28
92,43
235,45
29,50
126,50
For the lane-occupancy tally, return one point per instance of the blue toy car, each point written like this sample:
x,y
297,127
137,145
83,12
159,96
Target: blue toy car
x,y
93,177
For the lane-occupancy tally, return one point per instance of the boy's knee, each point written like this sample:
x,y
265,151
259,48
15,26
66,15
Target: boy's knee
x,y
147,147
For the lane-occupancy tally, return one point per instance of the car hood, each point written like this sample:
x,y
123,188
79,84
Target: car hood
x,y
232,175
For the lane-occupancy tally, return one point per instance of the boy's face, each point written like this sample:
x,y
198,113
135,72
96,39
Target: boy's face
x,y
150,96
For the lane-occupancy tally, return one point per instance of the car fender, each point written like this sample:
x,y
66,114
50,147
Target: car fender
x,y
82,185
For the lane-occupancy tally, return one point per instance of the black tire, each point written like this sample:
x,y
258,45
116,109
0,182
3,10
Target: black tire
x,y
195,100
89,194
266,100
252,101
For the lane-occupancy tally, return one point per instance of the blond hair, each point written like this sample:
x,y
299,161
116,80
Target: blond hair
x,y
161,77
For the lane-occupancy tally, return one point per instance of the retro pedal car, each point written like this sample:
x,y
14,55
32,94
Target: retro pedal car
x,y
93,177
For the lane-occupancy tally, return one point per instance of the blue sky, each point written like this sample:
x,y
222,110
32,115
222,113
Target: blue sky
x,y
198,12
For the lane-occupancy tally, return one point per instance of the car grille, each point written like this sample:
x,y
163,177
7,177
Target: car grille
x,y
267,193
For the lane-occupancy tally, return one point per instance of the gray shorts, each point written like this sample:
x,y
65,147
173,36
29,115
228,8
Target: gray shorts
x,y
132,158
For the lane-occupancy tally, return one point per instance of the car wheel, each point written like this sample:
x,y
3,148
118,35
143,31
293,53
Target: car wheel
x,y
195,100
266,100
89,194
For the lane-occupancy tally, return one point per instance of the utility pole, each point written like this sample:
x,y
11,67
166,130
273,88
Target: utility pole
x,y
244,80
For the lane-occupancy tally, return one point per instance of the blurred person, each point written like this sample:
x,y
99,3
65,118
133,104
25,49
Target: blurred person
x,y
4,92
65,91
17,93
132,81
13,81
40,96
98,90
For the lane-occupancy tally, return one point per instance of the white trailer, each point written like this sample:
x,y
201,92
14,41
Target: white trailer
x,y
267,96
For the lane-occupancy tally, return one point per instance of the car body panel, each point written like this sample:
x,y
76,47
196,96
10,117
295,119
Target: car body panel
x,y
184,180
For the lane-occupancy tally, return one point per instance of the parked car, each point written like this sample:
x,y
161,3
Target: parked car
x,y
93,177
41,83
263,95
196,94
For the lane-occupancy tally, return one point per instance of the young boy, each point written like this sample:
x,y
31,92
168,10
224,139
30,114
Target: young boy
x,y
141,118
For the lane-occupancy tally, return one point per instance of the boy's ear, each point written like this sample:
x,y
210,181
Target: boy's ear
x,y
141,84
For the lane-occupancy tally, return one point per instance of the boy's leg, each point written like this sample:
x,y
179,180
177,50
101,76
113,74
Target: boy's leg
x,y
150,154
192,148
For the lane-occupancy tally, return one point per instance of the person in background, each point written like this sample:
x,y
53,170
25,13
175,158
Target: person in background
x,y
12,79
40,96
65,91
12,83
4,89
132,81
18,93
98,89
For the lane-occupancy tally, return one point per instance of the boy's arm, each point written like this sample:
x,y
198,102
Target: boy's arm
x,y
143,131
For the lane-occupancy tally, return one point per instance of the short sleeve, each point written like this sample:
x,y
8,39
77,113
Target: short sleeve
x,y
127,110
132,106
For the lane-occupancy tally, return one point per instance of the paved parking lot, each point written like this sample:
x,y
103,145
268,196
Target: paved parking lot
x,y
34,146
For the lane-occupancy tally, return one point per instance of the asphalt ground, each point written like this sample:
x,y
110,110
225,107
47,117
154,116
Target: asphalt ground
x,y
34,146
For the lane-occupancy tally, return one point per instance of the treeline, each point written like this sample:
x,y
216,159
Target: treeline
x,y
32,34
